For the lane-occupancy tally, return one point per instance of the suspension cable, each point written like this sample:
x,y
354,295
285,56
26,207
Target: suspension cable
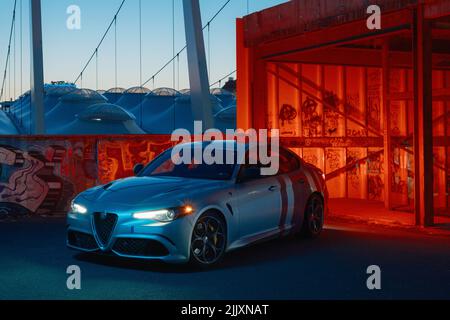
x,y
152,78
141,107
178,72
209,51
9,80
14,59
9,50
173,64
115,50
140,41
96,69
173,43
21,60
100,43
220,80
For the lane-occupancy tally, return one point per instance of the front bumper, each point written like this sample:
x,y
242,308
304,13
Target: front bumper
x,y
132,238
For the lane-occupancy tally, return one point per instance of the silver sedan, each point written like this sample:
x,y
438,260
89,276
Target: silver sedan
x,y
197,213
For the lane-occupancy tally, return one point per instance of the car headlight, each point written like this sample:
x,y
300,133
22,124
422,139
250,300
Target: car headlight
x,y
78,208
164,215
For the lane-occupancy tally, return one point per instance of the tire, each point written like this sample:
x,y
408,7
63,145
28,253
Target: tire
x,y
208,240
314,218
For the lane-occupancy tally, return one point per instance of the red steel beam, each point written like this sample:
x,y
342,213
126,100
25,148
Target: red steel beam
x,y
423,131
358,57
387,127
351,165
259,94
401,142
300,16
436,9
243,58
396,22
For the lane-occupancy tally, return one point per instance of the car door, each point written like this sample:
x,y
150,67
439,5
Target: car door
x,y
258,202
294,191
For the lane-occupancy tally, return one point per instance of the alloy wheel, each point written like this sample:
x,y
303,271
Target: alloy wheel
x,y
208,240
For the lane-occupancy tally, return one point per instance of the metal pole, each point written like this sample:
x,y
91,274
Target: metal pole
x,y
387,127
423,121
198,70
37,69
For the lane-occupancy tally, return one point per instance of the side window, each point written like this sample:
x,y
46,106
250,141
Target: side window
x,y
166,167
288,162
250,172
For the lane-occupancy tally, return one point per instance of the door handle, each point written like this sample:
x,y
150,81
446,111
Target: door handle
x,y
273,188
301,181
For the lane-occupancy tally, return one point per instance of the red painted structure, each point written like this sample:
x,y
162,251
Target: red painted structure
x,y
369,107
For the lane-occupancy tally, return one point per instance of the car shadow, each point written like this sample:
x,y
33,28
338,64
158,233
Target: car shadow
x,y
263,252
271,250
133,264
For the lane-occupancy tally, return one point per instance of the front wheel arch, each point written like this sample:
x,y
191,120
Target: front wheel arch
x,y
215,211
220,216
220,212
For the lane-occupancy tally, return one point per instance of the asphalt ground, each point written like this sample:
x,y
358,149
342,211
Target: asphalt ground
x,y
413,265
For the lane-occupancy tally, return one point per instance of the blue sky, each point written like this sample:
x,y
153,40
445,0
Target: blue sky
x,y
66,51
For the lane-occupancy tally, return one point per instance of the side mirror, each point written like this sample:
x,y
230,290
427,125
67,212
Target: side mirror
x,y
138,168
250,173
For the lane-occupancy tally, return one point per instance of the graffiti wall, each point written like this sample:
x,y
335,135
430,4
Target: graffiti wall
x,y
337,111
117,157
333,117
40,176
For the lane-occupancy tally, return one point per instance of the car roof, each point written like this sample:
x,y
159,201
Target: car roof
x,y
219,144
230,145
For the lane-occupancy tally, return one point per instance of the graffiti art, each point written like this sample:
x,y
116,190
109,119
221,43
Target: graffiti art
x,y
38,177
287,113
117,158
312,120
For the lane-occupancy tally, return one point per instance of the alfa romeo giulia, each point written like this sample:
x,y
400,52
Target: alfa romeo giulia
x,y
198,212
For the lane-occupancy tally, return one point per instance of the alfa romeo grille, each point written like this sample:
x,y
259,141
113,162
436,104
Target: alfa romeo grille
x,y
104,224
140,247
82,240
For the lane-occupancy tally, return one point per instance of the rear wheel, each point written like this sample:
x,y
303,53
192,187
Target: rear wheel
x,y
209,239
314,217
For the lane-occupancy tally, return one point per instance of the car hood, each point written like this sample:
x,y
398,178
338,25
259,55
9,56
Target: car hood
x,y
142,190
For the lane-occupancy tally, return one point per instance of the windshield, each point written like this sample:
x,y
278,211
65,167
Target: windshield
x,y
163,166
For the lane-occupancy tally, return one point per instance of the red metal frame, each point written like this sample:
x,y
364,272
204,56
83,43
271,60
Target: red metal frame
x,y
323,33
